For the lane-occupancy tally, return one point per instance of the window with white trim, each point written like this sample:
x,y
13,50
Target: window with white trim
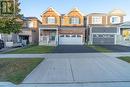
x,y
115,19
51,20
30,24
62,21
74,20
96,20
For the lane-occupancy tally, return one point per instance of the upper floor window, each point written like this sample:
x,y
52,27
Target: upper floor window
x,y
51,20
115,19
30,24
74,20
62,21
97,20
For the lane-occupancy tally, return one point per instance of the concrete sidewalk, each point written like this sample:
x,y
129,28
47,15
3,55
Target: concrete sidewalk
x,y
116,84
116,54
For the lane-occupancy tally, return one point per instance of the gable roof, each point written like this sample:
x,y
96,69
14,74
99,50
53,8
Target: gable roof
x,y
51,9
76,9
29,18
97,14
117,12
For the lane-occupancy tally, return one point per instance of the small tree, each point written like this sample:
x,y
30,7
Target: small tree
x,y
9,25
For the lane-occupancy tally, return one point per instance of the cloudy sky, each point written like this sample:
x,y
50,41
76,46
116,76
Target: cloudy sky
x,y
36,7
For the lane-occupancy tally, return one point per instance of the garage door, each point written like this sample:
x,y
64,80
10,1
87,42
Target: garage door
x,y
70,39
103,39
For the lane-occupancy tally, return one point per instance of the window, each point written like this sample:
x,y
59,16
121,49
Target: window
x,y
51,20
62,21
97,20
73,36
30,24
78,35
67,35
61,35
74,20
115,19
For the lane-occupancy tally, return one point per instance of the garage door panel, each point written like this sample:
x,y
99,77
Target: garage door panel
x,y
70,40
103,39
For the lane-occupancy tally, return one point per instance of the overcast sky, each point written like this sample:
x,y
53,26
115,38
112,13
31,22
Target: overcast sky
x,y
36,7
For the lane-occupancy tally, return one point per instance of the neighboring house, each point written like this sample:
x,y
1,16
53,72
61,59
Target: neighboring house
x,y
29,33
10,39
103,28
62,29
124,33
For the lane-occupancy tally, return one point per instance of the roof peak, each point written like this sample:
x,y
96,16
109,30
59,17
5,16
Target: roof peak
x,y
117,11
76,9
52,9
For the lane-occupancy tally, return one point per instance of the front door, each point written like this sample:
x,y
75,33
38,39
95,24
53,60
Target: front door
x,y
52,36
24,37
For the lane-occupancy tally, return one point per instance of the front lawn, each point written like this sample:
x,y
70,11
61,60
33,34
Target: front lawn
x,y
33,50
126,58
15,70
99,48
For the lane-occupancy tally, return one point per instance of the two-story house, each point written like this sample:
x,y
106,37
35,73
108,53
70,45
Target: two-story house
x,y
62,29
103,27
30,31
76,28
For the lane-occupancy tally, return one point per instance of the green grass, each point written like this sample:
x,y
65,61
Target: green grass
x,y
15,70
99,48
126,58
33,50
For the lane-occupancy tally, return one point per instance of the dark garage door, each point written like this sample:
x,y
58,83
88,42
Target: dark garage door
x,y
103,39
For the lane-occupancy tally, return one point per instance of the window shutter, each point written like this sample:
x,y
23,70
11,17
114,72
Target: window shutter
x,y
79,21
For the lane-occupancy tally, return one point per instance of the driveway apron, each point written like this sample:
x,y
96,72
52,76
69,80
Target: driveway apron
x,y
73,49
79,68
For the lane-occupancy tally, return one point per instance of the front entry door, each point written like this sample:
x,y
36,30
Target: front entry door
x,y
52,36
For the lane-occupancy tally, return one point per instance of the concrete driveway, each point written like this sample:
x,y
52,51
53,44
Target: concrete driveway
x,y
79,68
117,48
73,49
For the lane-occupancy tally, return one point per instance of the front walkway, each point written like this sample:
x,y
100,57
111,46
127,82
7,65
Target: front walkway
x,y
80,69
